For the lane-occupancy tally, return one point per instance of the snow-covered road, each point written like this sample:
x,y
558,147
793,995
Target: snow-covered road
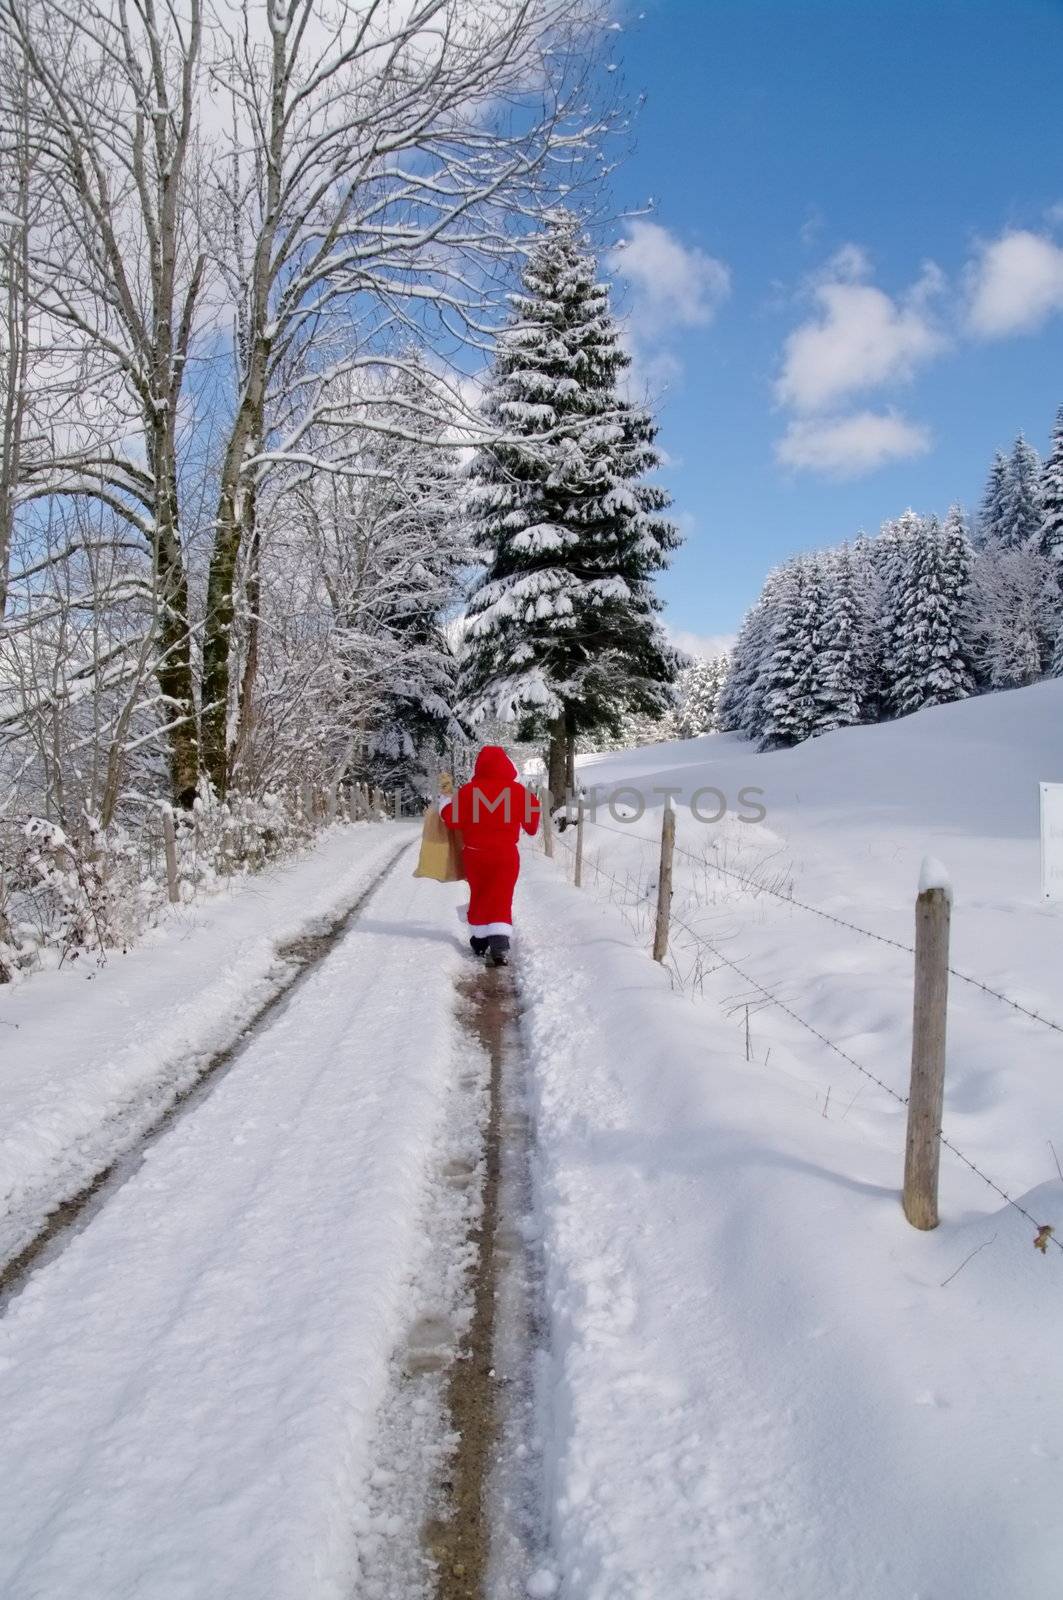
x,y
751,1377
189,1390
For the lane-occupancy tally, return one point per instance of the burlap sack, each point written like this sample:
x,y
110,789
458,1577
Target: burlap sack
x,y
440,856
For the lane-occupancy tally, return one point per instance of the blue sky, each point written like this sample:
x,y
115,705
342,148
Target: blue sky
x,y
850,286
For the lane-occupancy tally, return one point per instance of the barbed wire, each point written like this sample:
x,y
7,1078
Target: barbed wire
x,y
1044,1234
841,922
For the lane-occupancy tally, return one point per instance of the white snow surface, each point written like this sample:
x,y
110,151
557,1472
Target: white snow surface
x,y
90,1056
757,1379
933,874
761,1379
190,1389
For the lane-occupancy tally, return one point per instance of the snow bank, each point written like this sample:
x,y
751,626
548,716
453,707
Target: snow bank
x,y
190,1390
760,1379
849,819
89,1057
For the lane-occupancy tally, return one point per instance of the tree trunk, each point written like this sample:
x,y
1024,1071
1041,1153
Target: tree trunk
x,y
174,666
557,759
235,520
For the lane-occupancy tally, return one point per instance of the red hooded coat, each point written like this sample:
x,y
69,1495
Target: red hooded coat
x,y
489,813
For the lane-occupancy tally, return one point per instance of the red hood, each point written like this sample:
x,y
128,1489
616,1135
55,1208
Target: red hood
x,y
493,767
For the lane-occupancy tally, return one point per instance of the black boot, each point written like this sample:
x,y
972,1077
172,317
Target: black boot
x,y
479,945
498,950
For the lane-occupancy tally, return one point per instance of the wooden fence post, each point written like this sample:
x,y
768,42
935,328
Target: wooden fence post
x,y
664,883
169,834
398,804
577,876
546,801
922,1157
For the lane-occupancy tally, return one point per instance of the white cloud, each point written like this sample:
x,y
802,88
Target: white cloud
x,y
1015,284
672,286
861,338
848,447
700,644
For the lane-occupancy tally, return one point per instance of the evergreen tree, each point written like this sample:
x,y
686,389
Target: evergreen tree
x,y
930,664
870,576
562,629
1051,537
1020,522
843,679
994,501
790,683
698,689
743,668
891,556
394,556
741,708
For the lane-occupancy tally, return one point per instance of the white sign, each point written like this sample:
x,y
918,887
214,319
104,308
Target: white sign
x,y
1052,841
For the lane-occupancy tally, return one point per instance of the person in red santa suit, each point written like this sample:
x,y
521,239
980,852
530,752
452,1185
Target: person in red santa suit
x,y
489,812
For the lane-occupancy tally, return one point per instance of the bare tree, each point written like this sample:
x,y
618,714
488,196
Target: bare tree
x,y
113,113
383,154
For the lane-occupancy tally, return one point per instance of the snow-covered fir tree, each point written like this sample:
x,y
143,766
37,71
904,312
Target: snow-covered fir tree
x,y
842,666
562,626
991,513
743,668
1051,535
698,691
790,681
929,662
1020,522
890,556
382,547
741,706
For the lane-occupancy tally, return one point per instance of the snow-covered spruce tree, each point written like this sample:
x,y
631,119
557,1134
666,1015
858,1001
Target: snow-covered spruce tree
x,y
741,707
891,555
991,513
698,689
872,561
790,680
1020,522
843,679
929,661
1051,537
746,660
562,632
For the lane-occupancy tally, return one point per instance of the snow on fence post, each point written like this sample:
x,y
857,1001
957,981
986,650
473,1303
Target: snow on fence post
x,y
922,1158
398,804
664,882
546,800
577,874
169,834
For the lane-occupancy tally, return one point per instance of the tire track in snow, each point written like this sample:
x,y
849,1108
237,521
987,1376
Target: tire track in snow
x,y
458,1453
304,955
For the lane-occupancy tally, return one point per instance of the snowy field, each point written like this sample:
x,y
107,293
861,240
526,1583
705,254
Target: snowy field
x,y
762,1381
755,1378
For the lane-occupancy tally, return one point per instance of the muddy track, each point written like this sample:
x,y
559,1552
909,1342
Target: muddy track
x,y
459,1539
303,955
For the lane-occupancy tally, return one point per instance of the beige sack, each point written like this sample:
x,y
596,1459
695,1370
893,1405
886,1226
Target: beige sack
x,y
440,856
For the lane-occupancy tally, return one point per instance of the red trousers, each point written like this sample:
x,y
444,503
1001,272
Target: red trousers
x,y
492,876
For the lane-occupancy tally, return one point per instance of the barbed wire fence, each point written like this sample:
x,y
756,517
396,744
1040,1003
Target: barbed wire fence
x,y
633,899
